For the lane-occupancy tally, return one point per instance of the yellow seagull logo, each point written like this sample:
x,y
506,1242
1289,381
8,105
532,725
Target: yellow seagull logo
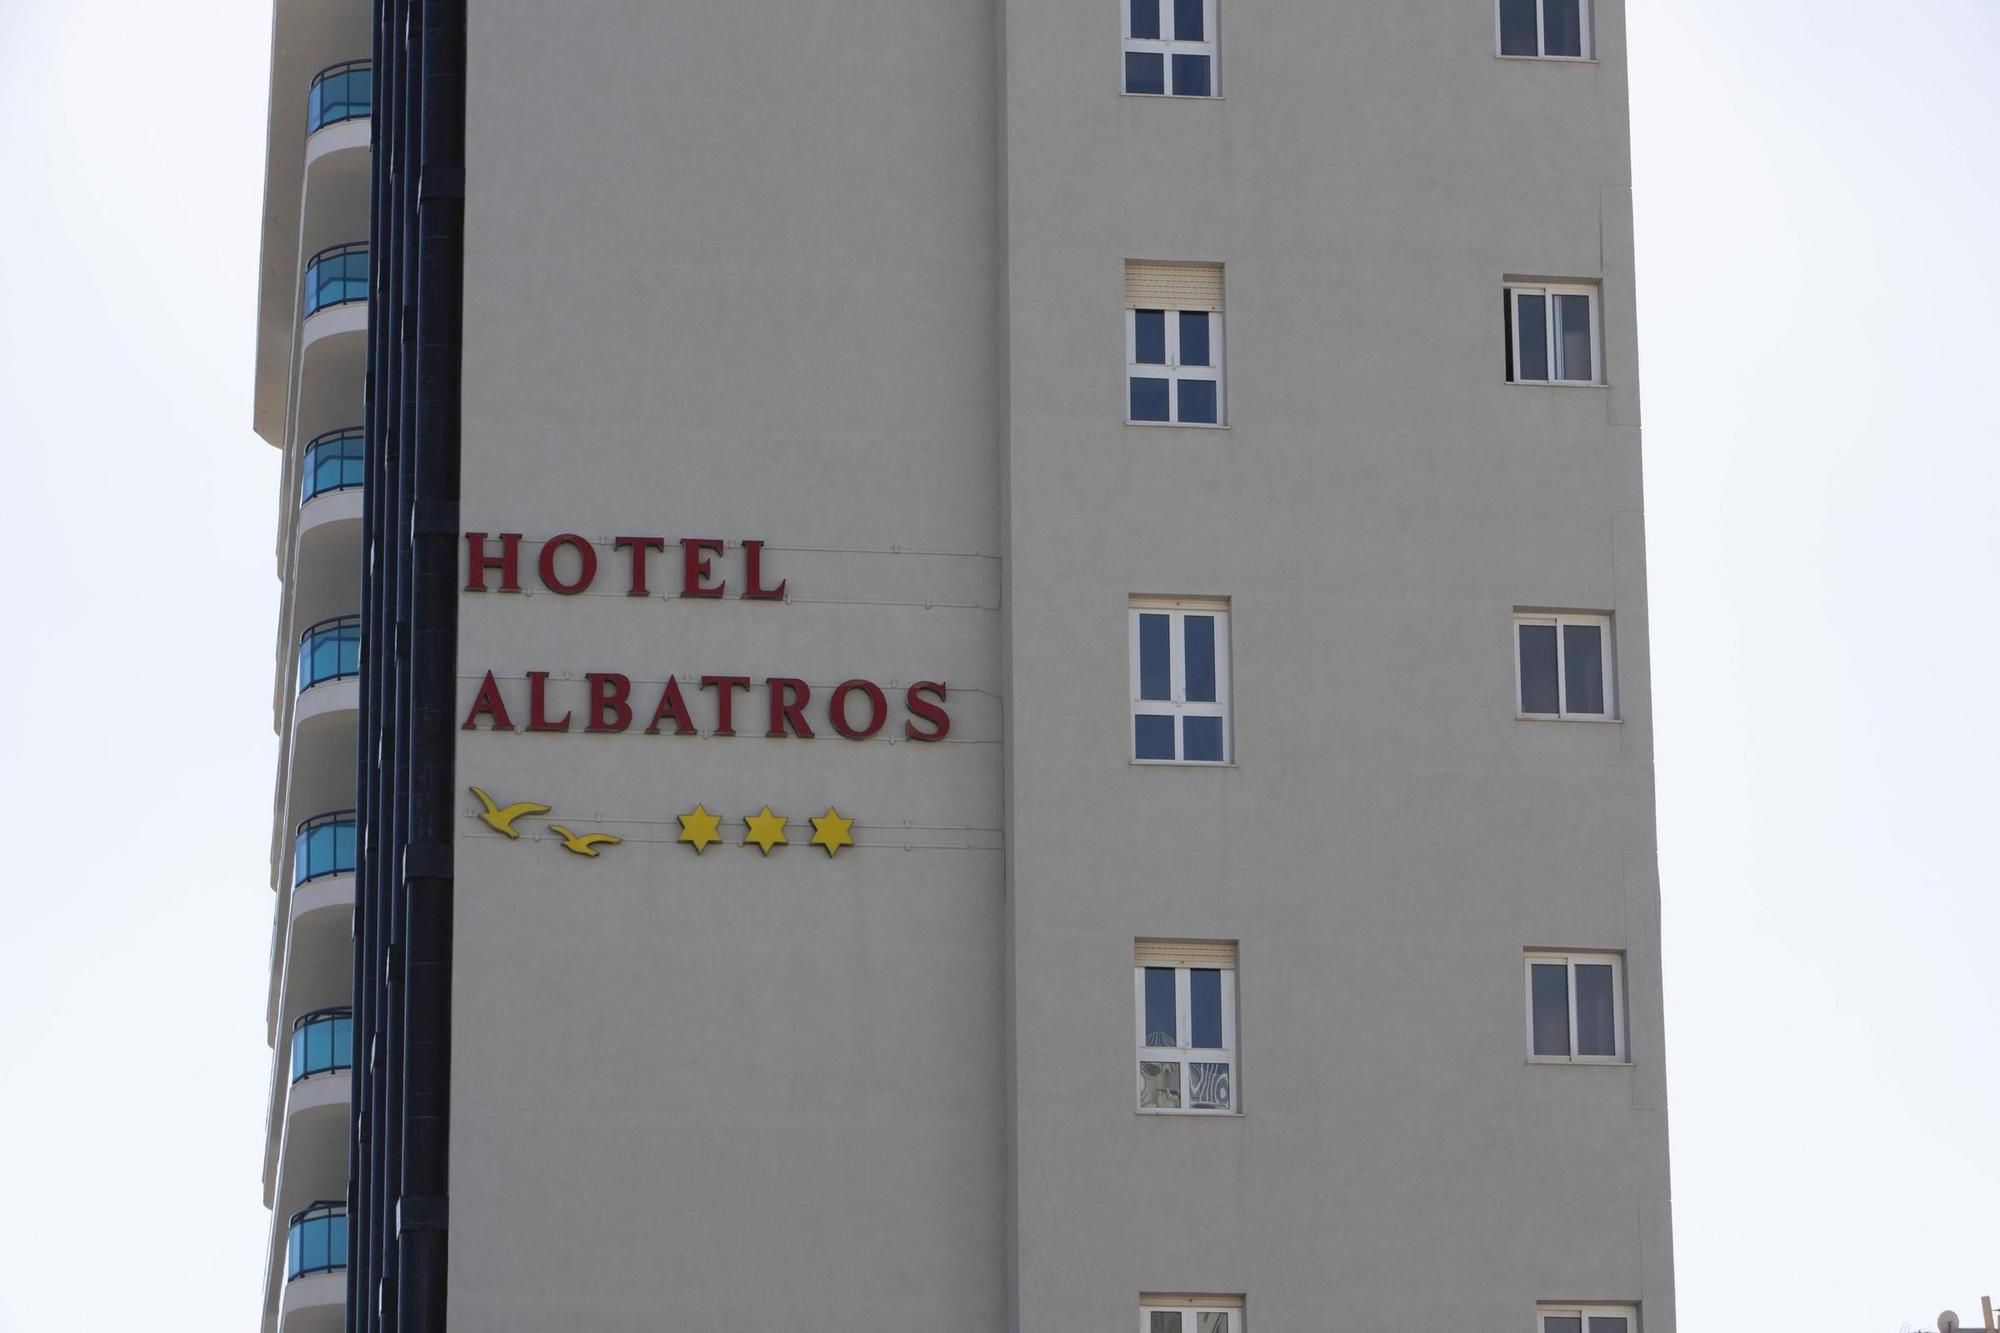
x,y
584,844
502,820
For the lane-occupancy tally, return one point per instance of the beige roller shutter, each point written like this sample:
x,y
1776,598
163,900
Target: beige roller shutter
x,y
1185,953
1172,286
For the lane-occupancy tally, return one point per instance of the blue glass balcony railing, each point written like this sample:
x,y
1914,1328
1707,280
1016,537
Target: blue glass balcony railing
x,y
322,1042
333,462
330,650
337,275
318,1241
325,846
339,92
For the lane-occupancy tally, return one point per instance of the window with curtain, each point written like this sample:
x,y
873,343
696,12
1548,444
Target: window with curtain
x,y
1185,992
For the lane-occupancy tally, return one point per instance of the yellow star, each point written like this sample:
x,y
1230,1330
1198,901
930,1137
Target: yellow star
x,y
832,832
700,828
766,830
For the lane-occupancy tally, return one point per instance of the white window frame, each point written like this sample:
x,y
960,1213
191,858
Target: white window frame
x,y
1588,27
1169,47
1549,292
1181,1053
1173,371
1559,620
1188,1307
1569,961
1629,1313
1177,705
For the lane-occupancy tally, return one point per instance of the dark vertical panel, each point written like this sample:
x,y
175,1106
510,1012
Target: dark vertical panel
x,y
402,966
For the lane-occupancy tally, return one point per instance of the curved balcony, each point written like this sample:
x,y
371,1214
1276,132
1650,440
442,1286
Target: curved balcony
x,y
339,92
334,461
317,1242
324,846
328,651
322,1042
336,276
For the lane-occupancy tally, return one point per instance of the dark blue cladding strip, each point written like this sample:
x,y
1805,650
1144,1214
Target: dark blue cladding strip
x,y
398,1182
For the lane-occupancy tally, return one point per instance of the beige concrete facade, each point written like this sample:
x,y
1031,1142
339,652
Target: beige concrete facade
x,y
850,283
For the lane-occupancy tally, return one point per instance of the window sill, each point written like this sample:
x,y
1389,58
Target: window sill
x,y
1556,384
1181,425
1552,717
1543,1061
1196,97
1145,1114
1551,60
1176,763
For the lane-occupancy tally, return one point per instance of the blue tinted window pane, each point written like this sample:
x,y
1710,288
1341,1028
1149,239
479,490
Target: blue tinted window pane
x,y
1538,669
315,116
1517,28
1204,739
1187,21
319,1046
1161,1026
1205,1007
1550,992
1198,401
1149,399
292,1253
1155,664
298,1054
1573,359
1531,338
1146,18
336,1241
1583,668
312,1245
1152,737
343,1043
1145,72
1149,337
1562,27
343,846
1596,1030
1191,76
1198,645
1194,337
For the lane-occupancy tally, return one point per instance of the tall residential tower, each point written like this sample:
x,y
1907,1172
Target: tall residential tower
x,y
968,665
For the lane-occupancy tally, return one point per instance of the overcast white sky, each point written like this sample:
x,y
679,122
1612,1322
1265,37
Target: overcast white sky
x,y
1820,296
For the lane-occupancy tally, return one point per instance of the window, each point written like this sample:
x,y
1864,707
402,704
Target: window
x,y
1190,1314
334,461
1170,39
1563,666
1555,29
1180,680
1576,1008
1551,335
1587,1319
1186,992
1173,343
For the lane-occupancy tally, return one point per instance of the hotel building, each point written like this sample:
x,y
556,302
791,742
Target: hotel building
x,y
966,665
